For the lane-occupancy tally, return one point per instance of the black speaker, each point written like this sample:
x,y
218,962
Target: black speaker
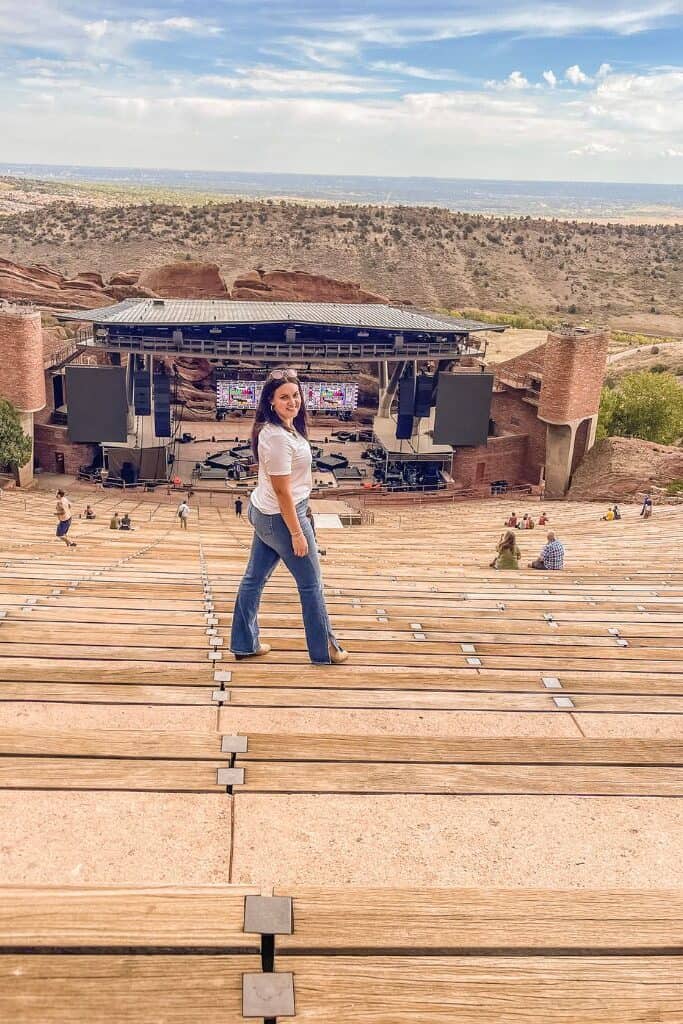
x,y
406,396
423,395
129,473
97,403
404,427
463,409
142,394
162,405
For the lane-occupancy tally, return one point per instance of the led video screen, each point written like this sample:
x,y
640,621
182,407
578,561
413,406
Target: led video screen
x,y
319,395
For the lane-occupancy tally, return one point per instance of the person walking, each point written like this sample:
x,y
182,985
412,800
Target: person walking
x,y
282,532
238,507
183,514
64,515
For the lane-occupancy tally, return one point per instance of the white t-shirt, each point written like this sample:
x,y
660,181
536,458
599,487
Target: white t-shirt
x,y
183,510
63,509
280,454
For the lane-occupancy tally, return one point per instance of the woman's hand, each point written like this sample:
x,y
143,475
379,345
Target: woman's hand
x,y
300,544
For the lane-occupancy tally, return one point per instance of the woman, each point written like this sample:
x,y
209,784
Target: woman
x,y
508,553
277,512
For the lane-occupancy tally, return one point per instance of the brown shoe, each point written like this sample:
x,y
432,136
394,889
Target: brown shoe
x,y
338,655
263,649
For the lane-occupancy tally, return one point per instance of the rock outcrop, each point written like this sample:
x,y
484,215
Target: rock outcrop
x,y
46,287
188,279
622,468
298,286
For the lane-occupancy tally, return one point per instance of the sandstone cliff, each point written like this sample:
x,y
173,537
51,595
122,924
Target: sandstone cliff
x,y
298,286
622,468
190,279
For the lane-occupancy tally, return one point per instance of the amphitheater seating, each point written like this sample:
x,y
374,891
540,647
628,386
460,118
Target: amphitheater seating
x,y
476,818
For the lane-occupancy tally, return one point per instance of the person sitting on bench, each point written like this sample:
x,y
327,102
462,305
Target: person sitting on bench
x,y
512,521
89,514
508,553
114,522
126,523
609,515
542,519
551,556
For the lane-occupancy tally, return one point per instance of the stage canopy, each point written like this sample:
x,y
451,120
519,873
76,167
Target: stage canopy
x,y
297,331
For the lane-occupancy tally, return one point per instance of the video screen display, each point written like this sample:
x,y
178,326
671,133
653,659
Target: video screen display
x,y
319,395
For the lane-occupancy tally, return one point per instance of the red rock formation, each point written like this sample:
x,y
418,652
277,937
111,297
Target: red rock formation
x,y
128,291
45,287
125,277
298,286
185,280
621,468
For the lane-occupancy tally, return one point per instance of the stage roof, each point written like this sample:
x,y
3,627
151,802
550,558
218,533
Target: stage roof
x,y
223,311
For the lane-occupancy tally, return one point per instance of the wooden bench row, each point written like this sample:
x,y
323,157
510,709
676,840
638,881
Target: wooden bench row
x,y
370,956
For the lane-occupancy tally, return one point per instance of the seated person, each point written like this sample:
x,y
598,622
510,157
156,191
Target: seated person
x,y
530,524
89,514
125,522
617,513
542,519
551,556
609,515
508,553
512,521
115,522
521,523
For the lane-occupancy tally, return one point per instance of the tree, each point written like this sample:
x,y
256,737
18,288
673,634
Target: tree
x,y
15,445
643,405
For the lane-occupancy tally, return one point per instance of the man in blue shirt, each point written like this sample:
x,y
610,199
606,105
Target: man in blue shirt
x,y
552,555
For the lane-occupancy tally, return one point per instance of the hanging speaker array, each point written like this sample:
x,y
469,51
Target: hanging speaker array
x,y
162,405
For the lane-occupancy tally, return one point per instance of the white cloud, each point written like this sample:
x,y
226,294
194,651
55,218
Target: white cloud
x,y
576,76
593,149
411,71
647,104
533,19
270,80
332,53
604,70
673,153
515,80
550,78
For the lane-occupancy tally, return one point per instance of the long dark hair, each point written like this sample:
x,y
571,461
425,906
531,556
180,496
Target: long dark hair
x,y
508,542
266,414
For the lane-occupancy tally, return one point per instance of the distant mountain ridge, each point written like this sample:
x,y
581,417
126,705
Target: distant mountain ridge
x,y
430,256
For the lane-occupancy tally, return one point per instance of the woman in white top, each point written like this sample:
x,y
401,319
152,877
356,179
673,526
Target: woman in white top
x,y
277,511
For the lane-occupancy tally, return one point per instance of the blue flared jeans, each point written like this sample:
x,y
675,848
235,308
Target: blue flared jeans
x,y
273,542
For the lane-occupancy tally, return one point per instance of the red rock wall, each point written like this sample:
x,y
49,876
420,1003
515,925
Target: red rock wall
x,y
573,375
298,286
185,280
22,381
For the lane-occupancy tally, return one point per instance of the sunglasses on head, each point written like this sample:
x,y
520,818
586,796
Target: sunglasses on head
x,y
283,373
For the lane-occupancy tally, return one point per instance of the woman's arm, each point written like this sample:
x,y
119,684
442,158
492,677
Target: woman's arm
x,y
282,485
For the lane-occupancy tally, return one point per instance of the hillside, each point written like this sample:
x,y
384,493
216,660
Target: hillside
x,y
431,256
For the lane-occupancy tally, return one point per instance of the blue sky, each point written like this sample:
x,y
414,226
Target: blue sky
x,y
575,90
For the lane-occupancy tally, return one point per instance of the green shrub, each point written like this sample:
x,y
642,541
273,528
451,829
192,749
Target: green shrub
x,y
645,405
